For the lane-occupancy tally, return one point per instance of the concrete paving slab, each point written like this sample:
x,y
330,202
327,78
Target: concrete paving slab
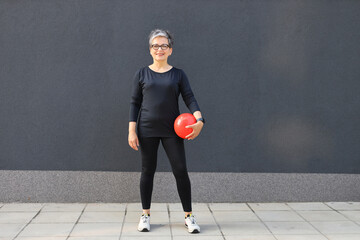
x,y
134,207
344,205
16,217
244,228
343,236
272,216
322,216
56,217
96,230
300,237
198,237
63,207
10,229
21,207
229,207
94,238
102,217
352,215
146,238
105,207
47,230
291,228
308,206
234,216
175,207
40,238
250,237
337,227
269,206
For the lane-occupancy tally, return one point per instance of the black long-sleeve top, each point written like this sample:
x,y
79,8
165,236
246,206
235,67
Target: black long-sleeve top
x,y
154,101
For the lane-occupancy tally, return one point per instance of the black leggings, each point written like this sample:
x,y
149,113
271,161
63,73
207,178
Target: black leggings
x,y
174,148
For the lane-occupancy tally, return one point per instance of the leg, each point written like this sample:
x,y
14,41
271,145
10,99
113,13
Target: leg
x,y
148,147
175,150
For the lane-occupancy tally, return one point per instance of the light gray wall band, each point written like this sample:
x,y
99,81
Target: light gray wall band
x,y
91,186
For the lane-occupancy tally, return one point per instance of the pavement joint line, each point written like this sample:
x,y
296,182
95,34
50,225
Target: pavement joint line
x,y
338,211
306,220
72,229
262,221
329,206
333,209
29,222
122,225
212,214
168,208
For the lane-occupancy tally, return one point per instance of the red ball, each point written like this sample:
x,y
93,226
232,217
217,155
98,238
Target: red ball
x,y
181,121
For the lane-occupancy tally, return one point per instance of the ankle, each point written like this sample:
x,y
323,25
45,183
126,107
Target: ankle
x,y
146,212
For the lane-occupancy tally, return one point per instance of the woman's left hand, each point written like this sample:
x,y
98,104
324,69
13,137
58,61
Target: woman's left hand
x,y
196,130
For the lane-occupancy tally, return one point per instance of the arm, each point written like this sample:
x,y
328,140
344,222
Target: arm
x,y
197,114
136,98
188,95
132,127
192,105
135,104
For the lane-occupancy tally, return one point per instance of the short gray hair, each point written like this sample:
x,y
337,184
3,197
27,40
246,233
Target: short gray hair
x,y
161,33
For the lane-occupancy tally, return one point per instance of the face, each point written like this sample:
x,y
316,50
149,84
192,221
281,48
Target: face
x,y
160,55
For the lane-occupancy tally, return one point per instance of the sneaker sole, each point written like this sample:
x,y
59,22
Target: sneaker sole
x,y
194,231
144,230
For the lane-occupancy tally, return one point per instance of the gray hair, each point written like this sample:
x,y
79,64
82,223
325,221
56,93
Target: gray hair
x,y
161,33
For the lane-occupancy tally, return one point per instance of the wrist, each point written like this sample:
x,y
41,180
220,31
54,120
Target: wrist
x,y
200,120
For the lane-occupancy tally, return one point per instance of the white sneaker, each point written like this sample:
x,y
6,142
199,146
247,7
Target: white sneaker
x,y
144,223
191,225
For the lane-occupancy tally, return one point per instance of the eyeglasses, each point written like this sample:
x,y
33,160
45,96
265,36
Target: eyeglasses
x,y
163,47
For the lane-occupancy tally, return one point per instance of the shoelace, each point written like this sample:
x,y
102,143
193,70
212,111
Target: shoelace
x,y
144,218
192,219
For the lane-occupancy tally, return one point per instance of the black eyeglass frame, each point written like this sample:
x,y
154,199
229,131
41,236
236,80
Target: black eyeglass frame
x,y
167,46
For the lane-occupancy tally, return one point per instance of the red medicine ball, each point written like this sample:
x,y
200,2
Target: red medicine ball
x,y
181,121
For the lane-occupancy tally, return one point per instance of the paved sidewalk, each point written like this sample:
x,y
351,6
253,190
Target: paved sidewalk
x,y
218,221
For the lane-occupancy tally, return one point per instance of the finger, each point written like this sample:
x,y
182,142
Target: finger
x,y
133,145
190,135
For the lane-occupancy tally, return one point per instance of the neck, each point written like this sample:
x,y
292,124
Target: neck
x,y
160,65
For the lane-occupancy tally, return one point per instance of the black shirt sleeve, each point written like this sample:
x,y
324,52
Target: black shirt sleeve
x,y
136,98
187,94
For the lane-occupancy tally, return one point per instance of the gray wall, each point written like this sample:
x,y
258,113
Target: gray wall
x,y
277,81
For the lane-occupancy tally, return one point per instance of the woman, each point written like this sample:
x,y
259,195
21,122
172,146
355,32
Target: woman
x,y
153,110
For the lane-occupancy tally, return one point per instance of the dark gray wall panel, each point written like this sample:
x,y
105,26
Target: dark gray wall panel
x,y
277,81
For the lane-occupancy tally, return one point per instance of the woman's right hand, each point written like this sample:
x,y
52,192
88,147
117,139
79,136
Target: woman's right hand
x,y
133,140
